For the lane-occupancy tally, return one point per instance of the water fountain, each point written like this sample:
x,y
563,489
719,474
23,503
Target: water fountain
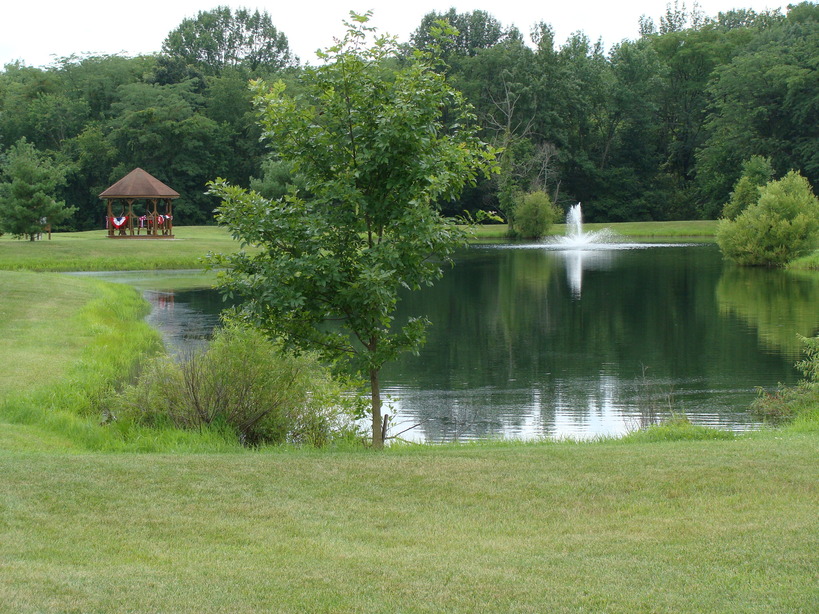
x,y
576,238
576,244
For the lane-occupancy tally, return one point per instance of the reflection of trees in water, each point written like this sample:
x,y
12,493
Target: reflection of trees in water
x,y
778,304
511,338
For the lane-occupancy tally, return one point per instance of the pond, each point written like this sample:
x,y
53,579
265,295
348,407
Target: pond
x,y
528,342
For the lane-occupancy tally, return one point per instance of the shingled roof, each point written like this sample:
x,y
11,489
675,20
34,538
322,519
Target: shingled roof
x,y
139,184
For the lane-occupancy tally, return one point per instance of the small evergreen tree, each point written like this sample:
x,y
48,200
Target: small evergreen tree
x,y
782,225
27,202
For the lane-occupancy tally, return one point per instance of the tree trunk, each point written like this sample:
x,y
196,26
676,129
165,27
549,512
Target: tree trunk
x,y
375,389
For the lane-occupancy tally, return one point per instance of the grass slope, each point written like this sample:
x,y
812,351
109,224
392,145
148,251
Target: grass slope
x,y
39,335
719,526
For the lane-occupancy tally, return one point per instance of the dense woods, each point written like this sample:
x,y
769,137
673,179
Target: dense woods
x,y
655,128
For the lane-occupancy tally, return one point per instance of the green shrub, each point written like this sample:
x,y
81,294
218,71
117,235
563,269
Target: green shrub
x,y
532,215
756,172
782,225
243,383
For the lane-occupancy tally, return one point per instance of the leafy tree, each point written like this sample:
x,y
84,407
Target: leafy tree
x,y
585,83
474,31
747,18
219,38
376,150
20,87
689,58
27,200
756,172
764,101
277,180
95,80
782,225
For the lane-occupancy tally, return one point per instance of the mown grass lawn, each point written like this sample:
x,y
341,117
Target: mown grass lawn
x,y
718,526
94,251
700,229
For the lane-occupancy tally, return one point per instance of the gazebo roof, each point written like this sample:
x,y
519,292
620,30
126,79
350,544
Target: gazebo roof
x,y
139,184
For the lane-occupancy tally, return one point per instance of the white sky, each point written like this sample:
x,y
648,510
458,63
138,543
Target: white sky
x,y
38,31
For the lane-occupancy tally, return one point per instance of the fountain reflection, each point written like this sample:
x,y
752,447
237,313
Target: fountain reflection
x,y
577,261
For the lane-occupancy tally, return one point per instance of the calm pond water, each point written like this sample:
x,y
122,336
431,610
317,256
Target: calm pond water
x,y
528,342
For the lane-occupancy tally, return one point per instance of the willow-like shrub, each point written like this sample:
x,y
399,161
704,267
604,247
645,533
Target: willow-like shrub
x,y
782,225
533,215
246,384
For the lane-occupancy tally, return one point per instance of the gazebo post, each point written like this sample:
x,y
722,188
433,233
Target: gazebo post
x,y
168,217
110,218
130,215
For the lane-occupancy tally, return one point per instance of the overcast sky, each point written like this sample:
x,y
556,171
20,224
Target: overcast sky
x,y
38,31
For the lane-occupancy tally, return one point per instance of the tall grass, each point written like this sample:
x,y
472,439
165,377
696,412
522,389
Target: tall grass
x,y
809,262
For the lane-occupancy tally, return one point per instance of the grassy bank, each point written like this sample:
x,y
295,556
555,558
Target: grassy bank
x,y
65,342
94,251
807,263
718,526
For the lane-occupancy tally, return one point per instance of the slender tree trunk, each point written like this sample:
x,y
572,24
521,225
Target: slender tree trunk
x,y
375,389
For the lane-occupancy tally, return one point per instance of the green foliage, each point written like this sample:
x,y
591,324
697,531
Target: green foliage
x,y
376,150
763,101
656,129
245,383
756,172
787,403
532,215
162,129
277,180
474,31
219,38
781,226
30,182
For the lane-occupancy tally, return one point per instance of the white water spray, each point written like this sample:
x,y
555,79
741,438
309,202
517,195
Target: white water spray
x,y
576,238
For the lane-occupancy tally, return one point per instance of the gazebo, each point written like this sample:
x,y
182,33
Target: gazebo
x,y
135,186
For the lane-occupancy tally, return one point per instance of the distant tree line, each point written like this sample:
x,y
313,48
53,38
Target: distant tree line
x,y
656,128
